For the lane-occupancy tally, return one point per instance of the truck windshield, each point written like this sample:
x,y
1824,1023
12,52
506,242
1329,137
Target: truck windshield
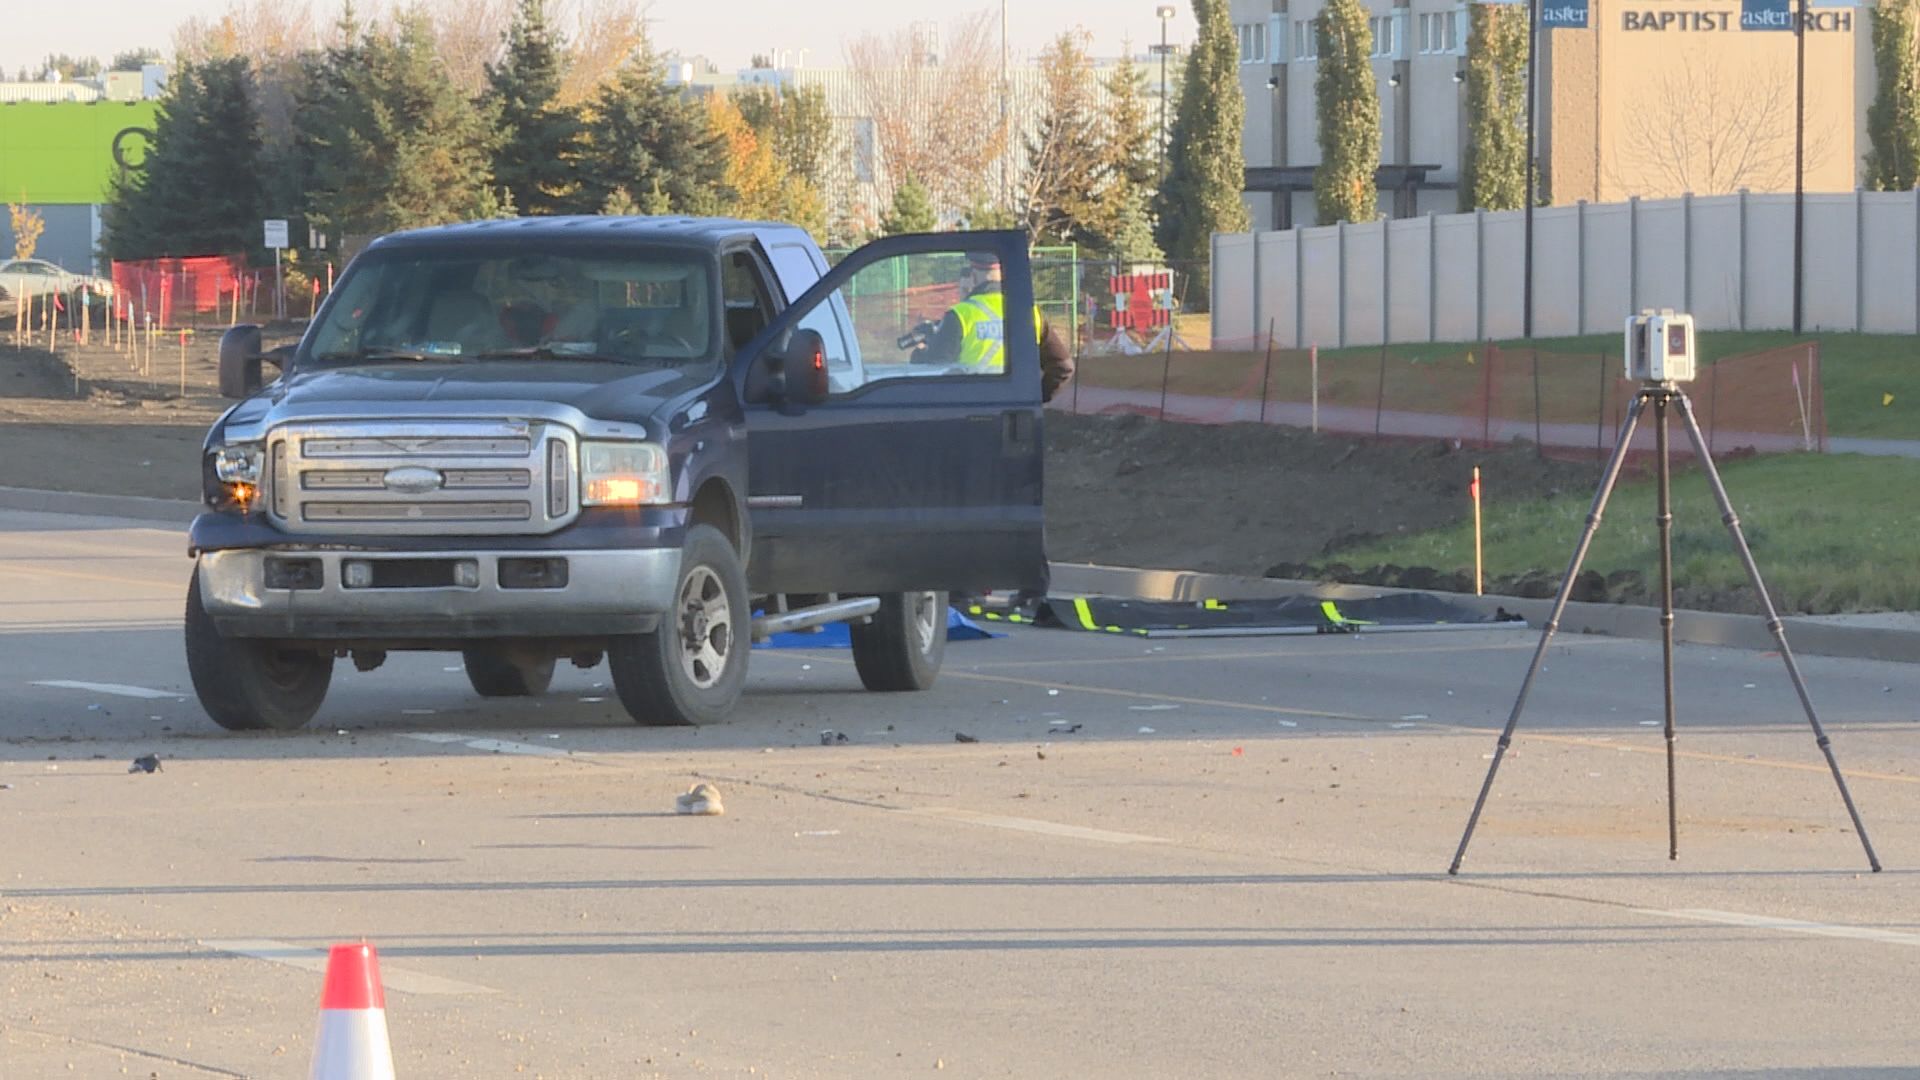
x,y
651,308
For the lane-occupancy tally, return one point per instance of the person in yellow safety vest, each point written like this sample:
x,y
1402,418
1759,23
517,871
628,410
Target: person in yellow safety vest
x,y
972,334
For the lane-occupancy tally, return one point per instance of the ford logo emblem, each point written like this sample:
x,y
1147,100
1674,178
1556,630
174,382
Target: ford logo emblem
x,y
412,480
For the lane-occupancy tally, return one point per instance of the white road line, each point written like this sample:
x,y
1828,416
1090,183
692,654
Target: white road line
x,y
315,960
116,689
492,746
1033,825
1791,926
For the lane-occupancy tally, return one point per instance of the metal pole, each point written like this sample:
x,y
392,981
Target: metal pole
x,y
1533,62
1663,520
1799,161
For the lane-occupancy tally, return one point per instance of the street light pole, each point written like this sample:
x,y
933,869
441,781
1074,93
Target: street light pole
x,y
1165,12
1006,135
1533,63
1799,159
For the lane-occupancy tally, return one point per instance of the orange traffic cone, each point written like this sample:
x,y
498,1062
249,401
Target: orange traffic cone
x,y
352,1043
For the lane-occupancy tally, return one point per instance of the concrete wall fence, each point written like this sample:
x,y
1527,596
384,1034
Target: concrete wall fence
x,y
1458,277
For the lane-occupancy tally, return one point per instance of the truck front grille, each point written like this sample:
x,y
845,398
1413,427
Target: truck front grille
x,y
449,477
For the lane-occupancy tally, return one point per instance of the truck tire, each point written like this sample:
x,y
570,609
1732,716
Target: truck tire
x,y
495,673
901,648
248,685
691,669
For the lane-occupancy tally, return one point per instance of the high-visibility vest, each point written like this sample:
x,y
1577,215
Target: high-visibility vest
x,y
983,331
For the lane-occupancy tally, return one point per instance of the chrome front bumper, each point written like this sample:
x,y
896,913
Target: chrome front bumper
x,y
607,592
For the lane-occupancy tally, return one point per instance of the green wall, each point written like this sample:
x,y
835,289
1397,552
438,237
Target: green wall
x,y
63,152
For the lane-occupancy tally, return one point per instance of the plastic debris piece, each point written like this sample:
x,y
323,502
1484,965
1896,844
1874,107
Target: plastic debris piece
x,y
149,763
704,799
1146,731
1289,723
961,736
1053,693
829,738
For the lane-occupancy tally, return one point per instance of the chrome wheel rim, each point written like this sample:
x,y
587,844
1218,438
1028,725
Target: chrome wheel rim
x,y
706,628
925,614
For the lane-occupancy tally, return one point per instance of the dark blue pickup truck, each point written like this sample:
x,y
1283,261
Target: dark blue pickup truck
x,y
648,441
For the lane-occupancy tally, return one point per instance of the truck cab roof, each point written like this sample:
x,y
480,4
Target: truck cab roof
x,y
678,230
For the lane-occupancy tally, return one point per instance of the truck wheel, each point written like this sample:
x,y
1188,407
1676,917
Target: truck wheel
x,y
692,668
248,685
902,647
495,673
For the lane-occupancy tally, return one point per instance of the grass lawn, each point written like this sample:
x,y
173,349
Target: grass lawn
x,y
1871,382
1832,533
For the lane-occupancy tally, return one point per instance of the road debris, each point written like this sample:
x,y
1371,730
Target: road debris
x,y
831,737
704,799
961,736
147,764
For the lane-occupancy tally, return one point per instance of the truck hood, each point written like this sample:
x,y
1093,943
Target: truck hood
x,y
548,388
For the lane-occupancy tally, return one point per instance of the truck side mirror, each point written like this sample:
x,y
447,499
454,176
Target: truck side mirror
x,y
794,373
240,362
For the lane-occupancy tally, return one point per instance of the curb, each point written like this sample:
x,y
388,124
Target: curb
x,y
1806,636
130,507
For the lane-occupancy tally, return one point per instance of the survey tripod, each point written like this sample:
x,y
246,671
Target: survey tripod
x,y
1664,396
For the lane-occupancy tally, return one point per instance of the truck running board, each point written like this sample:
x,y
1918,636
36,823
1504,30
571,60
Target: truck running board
x,y
766,626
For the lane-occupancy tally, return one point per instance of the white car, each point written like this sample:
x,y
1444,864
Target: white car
x,y
36,278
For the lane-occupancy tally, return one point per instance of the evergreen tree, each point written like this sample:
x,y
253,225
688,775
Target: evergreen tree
x,y
1205,166
647,138
1128,167
1893,120
1065,153
386,139
1349,105
912,210
1493,164
537,154
207,135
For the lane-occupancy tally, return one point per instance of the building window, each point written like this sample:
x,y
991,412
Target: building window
x,y
1439,33
1306,43
1276,39
1253,43
1383,36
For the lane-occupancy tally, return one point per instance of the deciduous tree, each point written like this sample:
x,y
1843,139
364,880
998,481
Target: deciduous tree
x,y
1893,120
1493,164
935,108
1349,107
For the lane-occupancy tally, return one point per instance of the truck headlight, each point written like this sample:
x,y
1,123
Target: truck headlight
x,y
623,474
238,464
235,479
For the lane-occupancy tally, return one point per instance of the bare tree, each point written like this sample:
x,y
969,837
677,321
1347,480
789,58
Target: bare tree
x,y
1701,129
934,107
607,33
468,34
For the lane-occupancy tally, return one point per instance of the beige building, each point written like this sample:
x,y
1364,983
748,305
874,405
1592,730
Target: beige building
x,y
1656,98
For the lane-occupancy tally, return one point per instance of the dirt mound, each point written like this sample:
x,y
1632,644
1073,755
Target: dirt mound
x,y
1247,498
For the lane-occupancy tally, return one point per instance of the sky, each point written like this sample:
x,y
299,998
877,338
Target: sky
x,y
712,28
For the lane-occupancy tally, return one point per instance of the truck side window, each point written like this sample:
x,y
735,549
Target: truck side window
x,y
749,308
928,315
798,272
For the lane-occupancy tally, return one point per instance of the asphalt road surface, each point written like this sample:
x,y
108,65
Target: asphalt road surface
x,y
1220,858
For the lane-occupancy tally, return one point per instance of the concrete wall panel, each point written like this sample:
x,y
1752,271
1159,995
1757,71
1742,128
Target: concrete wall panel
x,y
1503,279
1365,269
1832,267
1409,279
1556,272
1714,261
1889,258
1320,286
1456,287
1607,256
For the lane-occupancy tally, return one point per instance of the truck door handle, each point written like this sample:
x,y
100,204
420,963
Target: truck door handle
x,y
1016,430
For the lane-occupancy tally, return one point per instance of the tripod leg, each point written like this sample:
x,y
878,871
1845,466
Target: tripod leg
x,y
1600,498
1663,518
1774,624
